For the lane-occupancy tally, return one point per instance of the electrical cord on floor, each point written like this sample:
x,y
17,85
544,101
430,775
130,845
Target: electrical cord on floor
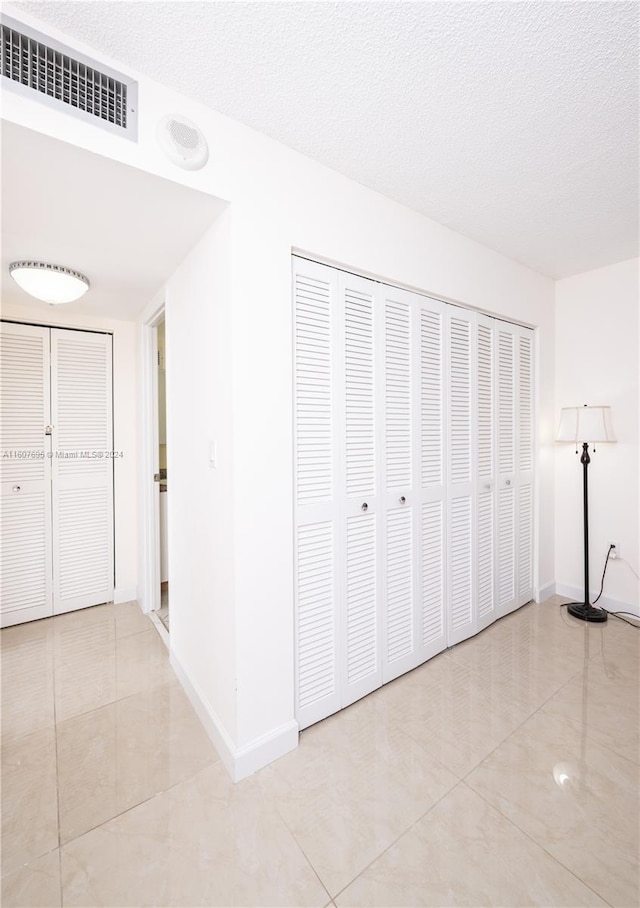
x,y
615,614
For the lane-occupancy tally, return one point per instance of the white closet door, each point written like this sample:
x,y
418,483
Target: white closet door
x,y
462,545
25,474
359,505
506,460
525,454
318,556
430,459
82,469
399,356
485,473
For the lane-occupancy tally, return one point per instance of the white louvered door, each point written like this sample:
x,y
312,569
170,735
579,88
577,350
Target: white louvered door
x,y
461,540
414,480
318,553
525,454
401,647
359,508
506,460
431,560
485,473
25,474
82,469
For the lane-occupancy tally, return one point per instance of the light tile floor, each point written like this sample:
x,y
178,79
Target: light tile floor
x,y
503,772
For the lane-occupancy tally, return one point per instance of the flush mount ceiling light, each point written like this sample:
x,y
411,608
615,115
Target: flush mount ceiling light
x,y
50,283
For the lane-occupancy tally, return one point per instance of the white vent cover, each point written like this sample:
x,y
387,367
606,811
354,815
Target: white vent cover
x,y
43,69
183,142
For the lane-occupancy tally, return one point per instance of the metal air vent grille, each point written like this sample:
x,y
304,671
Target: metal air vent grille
x,y
59,76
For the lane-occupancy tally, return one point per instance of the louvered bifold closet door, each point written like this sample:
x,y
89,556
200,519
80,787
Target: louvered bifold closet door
x,y
485,473
318,557
357,470
25,474
431,502
507,570
82,469
461,542
525,455
399,356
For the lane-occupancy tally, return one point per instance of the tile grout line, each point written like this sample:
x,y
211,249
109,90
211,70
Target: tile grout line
x,y
401,835
536,843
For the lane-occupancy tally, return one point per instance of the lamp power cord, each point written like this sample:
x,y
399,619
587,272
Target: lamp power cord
x,y
618,615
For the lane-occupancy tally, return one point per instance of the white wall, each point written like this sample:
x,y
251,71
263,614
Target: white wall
x,y
201,496
597,355
125,397
231,548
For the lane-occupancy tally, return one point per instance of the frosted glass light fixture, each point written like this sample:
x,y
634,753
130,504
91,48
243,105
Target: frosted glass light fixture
x,y
50,283
585,426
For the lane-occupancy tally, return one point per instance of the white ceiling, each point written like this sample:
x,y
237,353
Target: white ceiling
x,y
125,229
513,123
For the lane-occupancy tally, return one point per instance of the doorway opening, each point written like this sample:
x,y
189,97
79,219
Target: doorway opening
x,y
163,612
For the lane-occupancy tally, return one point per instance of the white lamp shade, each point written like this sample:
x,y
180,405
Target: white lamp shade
x,y
50,283
590,424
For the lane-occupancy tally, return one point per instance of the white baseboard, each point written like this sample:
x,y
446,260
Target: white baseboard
x,y
612,605
239,762
545,592
125,594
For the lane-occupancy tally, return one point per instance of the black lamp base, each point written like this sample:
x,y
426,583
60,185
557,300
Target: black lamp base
x,y
587,612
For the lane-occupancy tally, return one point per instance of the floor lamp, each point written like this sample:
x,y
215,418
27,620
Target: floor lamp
x,y
585,425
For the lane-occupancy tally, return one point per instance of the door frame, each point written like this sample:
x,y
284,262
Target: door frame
x,y
149,592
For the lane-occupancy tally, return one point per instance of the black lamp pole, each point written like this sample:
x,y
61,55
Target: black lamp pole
x,y
585,610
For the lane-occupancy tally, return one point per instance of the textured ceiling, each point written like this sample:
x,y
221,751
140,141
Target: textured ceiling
x,y
513,123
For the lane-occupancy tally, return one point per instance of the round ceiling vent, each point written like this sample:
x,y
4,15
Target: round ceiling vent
x,y
182,142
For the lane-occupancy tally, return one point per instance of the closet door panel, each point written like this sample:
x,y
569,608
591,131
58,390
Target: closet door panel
x,y
362,670
317,565
506,460
460,492
317,556
361,617
25,474
431,560
82,469
401,644
525,455
485,473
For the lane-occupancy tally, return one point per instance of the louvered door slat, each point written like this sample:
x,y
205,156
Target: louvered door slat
x,y
399,592
362,667
485,554
359,390
485,395
506,403
25,475
431,410
82,469
525,543
398,420
506,543
525,402
314,410
433,591
317,682
461,560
